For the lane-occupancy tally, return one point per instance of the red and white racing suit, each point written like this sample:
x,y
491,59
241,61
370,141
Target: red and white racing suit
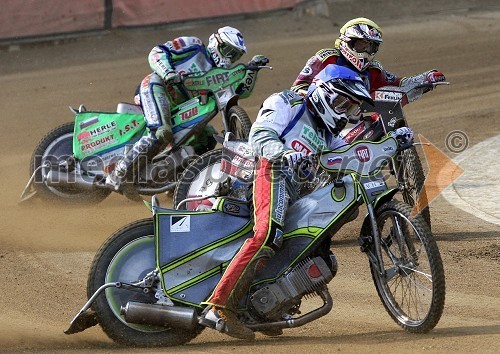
x,y
374,76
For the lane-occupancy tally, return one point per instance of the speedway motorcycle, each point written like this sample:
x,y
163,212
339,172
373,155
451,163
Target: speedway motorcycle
x,y
148,281
72,161
202,176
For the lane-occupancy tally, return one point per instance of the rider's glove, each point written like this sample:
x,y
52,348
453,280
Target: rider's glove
x,y
435,76
403,134
258,60
292,159
171,77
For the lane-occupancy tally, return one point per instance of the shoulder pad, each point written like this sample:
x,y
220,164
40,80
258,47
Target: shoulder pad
x,y
325,53
290,97
376,65
181,43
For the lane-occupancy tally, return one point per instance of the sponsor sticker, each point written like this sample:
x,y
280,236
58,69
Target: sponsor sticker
x,y
300,147
372,185
363,153
388,96
180,223
306,70
392,122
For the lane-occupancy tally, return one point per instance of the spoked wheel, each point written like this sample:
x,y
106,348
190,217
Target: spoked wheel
x,y
54,148
411,178
126,257
199,179
412,283
239,123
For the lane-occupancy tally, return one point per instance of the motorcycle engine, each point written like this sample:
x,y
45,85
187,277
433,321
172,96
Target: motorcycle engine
x,y
274,299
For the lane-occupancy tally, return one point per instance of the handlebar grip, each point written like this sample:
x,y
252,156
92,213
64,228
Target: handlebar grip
x,y
405,146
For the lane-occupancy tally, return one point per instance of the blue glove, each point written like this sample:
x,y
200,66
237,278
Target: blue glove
x,y
292,159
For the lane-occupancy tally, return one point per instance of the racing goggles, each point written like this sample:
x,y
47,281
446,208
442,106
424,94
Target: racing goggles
x,y
364,46
345,105
228,51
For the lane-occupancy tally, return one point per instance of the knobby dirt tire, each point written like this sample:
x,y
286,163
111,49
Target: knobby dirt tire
x,y
415,263
410,174
58,143
203,164
130,251
239,123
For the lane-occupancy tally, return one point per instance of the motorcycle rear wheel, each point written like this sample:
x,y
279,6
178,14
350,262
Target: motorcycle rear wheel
x,y
412,286
55,147
127,256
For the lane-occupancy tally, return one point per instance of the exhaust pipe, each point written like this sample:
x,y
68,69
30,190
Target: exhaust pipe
x,y
69,180
160,315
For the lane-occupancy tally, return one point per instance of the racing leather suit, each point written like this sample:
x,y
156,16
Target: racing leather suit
x,y
284,123
183,55
374,76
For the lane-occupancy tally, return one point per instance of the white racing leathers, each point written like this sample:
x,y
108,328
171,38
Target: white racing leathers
x,y
284,123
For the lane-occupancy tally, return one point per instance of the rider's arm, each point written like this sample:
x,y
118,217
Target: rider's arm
x,y
380,77
162,58
274,116
313,66
245,89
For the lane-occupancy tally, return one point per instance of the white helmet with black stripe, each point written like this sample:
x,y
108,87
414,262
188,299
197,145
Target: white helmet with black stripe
x,y
226,46
336,95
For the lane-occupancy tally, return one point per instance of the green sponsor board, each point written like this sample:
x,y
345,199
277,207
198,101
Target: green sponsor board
x,y
96,132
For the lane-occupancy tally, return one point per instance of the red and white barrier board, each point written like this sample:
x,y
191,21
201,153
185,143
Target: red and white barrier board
x,y
33,18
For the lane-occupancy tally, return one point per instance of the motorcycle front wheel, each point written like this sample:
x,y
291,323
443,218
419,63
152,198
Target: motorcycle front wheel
x,y
54,148
126,257
411,178
410,281
200,178
239,123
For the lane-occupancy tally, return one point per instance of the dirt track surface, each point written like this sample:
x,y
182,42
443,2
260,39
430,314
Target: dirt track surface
x,y
46,248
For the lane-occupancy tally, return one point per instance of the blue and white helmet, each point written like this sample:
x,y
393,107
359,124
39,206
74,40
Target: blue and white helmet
x,y
226,46
336,95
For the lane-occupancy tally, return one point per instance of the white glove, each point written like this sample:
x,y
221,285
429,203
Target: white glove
x,y
292,159
403,134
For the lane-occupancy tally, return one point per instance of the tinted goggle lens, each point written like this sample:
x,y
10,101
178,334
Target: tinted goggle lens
x,y
362,45
341,104
230,52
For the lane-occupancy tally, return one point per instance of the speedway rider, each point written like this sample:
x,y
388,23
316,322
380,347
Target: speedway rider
x,y
158,90
355,48
288,128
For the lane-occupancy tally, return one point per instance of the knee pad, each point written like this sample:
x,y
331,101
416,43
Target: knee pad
x,y
275,238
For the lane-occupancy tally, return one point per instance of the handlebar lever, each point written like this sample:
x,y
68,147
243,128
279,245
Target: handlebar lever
x,y
405,146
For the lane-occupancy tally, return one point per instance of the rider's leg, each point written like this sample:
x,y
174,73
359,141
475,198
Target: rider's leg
x,y
270,203
156,107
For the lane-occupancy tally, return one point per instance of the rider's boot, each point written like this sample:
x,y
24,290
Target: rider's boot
x,y
226,321
224,318
146,147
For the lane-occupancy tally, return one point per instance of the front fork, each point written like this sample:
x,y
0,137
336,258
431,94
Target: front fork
x,y
370,244
374,257
233,101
